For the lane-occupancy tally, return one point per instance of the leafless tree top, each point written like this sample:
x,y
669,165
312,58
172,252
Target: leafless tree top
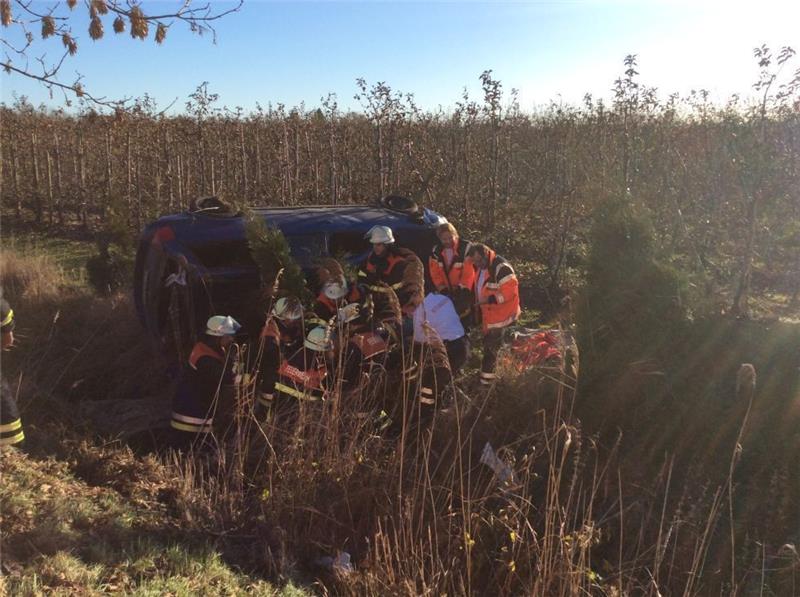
x,y
25,25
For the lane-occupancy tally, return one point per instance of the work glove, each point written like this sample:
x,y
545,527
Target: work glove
x,y
348,313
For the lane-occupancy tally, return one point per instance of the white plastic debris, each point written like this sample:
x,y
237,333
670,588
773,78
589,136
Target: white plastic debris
x,y
501,470
341,564
179,278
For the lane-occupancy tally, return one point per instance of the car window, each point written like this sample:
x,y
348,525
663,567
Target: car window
x,y
224,253
348,244
307,247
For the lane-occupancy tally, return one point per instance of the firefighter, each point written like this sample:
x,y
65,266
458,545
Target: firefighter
x,y
441,343
304,375
283,335
196,399
365,346
451,273
335,294
364,336
497,296
389,267
11,433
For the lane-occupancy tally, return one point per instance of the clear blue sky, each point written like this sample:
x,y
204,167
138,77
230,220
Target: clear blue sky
x,y
300,51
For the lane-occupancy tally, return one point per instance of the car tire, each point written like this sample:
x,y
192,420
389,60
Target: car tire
x,y
399,203
211,206
178,330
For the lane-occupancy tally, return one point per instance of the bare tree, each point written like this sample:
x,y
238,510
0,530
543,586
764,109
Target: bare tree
x,y
26,26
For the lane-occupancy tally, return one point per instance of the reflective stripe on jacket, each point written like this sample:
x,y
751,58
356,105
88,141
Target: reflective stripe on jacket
x,y
369,344
6,316
460,272
279,341
390,270
502,284
302,376
195,398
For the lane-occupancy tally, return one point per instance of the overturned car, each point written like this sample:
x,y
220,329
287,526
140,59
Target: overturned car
x,y
198,263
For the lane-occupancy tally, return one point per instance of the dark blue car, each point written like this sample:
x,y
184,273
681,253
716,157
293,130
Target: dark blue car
x,y
192,265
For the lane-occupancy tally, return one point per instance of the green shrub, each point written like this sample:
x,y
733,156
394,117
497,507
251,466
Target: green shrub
x,y
111,268
270,251
632,306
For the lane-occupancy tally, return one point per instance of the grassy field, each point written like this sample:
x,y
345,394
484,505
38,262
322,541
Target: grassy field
x,y
676,505
64,535
69,255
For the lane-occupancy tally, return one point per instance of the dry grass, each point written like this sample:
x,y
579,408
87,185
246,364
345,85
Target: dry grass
x,y
72,347
64,536
29,275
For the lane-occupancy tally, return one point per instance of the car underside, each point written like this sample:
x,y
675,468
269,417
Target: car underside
x,y
192,265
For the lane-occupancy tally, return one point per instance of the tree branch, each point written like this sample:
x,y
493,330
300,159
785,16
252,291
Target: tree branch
x,y
76,88
54,25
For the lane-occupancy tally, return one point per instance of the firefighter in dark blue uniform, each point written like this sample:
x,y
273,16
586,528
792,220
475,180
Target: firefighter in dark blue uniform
x,y
197,397
303,376
282,336
11,433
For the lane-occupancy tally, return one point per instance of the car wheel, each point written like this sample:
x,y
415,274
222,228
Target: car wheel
x,y
178,331
400,203
212,206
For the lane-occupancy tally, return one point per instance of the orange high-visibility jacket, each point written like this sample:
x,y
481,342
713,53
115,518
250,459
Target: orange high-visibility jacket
x,y
499,282
460,272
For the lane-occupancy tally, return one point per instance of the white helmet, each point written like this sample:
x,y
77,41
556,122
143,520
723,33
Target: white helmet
x,y
380,234
287,309
222,325
317,339
335,289
349,312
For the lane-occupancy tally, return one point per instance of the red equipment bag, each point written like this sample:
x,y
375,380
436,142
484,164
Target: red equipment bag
x,y
534,348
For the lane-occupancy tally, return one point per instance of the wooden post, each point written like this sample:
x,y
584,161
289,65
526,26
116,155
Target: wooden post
x,y
129,172
333,172
312,159
188,167
15,177
59,186
243,158
213,178
467,172
138,180
168,160
82,214
297,187
258,164
49,188
286,175
36,182
180,179
109,177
